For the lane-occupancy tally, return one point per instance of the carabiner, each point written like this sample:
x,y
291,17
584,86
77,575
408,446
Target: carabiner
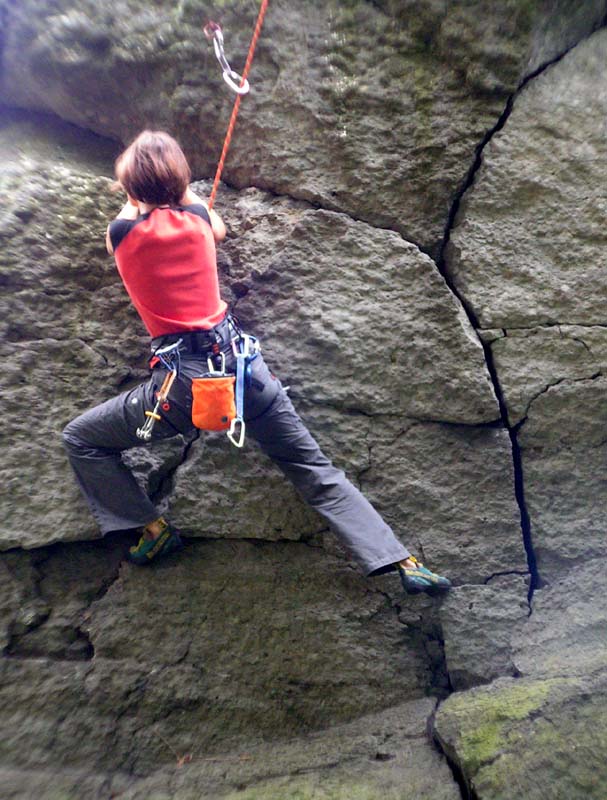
x,y
245,345
213,31
237,442
211,366
145,431
230,77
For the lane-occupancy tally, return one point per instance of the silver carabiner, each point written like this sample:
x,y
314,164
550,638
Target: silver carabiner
x,y
236,441
213,31
230,77
245,345
211,366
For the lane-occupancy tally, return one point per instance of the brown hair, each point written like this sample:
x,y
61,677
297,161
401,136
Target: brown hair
x,y
153,169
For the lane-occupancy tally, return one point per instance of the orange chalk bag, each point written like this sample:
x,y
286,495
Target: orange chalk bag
x,y
213,401
218,396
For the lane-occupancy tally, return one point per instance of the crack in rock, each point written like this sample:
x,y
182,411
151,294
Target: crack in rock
x,y
541,325
63,635
558,382
456,770
459,775
519,483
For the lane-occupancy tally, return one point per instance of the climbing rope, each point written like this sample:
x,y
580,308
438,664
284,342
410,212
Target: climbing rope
x,y
212,30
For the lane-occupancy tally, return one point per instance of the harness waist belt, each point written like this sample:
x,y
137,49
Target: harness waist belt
x,y
201,342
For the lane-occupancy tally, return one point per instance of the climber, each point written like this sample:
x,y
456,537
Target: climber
x,y
163,242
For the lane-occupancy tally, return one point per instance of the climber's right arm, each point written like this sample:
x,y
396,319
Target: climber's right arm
x,y
128,211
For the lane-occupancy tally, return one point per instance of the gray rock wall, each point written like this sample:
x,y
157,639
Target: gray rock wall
x,y
351,102
511,735
528,254
450,363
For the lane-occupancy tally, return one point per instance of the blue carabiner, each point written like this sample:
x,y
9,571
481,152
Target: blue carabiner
x,y
245,349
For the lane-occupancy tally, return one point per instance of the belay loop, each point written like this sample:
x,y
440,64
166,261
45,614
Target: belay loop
x,y
210,32
237,83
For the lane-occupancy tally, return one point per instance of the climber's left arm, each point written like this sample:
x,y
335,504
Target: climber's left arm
x,y
217,224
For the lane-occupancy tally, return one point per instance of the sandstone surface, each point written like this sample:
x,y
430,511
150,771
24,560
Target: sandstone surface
x,y
478,624
529,248
76,617
543,734
260,663
528,255
349,102
564,447
195,657
287,269
374,756
532,360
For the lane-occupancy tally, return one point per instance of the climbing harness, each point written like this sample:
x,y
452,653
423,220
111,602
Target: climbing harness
x,y
169,358
213,30
217,395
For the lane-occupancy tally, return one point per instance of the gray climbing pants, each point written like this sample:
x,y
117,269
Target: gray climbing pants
x,y
96,439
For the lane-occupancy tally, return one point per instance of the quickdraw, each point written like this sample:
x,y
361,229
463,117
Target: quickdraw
x,y
235,81
169,358
245,348
213,31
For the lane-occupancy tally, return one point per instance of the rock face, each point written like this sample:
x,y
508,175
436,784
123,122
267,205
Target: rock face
x,y
551,720
348,100
529,256
69,337
207,656
478,623
537,204
259,663
195,658
372,757
75,621
319,273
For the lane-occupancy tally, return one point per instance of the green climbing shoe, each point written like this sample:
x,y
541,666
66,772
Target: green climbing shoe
x,y
420,579
147,550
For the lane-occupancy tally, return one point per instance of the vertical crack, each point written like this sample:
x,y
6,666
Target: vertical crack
x,y
166,482
478,159
517,460
519,478
466,791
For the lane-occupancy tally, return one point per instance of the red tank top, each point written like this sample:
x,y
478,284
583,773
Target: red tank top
x,y
167,262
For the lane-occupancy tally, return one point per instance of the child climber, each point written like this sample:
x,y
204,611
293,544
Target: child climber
x,y
163,242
